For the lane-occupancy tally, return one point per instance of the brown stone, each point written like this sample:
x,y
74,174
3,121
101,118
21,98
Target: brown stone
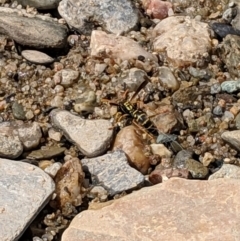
x,y
177,210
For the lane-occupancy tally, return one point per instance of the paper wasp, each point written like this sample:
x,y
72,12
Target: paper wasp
x,y
129,113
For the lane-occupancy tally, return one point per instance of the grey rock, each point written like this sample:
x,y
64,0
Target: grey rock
x,y
226,171
42,4
230,86
92,137
37,57
25,189
113,172
218,110
237,121
29,134
181,158
33,31
114,16
232,138
18,111
236,20
46,153
215,88
66,77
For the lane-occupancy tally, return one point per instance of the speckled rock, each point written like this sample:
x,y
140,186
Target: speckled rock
x,y
25,31
184,40
232,138
114,46
230,53
43,4
181,157
230,86
92,137
176,210
196,169
226,171
37,57
66,77
18,111
113,172
11,146
25,189
113,16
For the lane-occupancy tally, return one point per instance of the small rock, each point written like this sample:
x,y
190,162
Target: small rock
x,y
223,29
237,121
25,189
113,172
159,175
230,86
92,137
196,169
37,57
215,88
160,213
131,141
218,110
232,138
114,46
46,153
54,135
226,171
66,77
181,158
161,150
43,4
52,170
184,40
207,159
69,188
18,111
25,31
115,17
98,193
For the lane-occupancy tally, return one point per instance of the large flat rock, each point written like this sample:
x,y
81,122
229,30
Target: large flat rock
x,y
24,190
177,210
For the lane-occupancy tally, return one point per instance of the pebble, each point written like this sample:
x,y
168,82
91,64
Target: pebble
x,y
161,150
237,121
113,172
131,140
167,79
226,171
66,77
181,157
215,88
230,86
37,57
144,210
183,40
196,169
92,137
18,111
208,158
18,206
114,46
47,152
218,110
52,170
232,138
223,29
52,34
69,189
114,17
43,4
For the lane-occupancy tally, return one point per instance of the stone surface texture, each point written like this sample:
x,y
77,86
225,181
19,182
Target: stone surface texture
x,y
36,57
114,46
43,4
25,189
184,40
232,138
226,171
92,137
113,172
176,210
33,31
113,16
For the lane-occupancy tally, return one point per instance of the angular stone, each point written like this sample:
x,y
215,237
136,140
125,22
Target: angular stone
x,y
232,138
43,4
66,77
184,40
176,210
114,46
226,171
37,57
33,31
92,137
113,172
25,189
113,16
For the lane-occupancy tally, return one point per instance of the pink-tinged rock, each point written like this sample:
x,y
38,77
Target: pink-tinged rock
x,y
177,210
157,8
158,175
114,46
